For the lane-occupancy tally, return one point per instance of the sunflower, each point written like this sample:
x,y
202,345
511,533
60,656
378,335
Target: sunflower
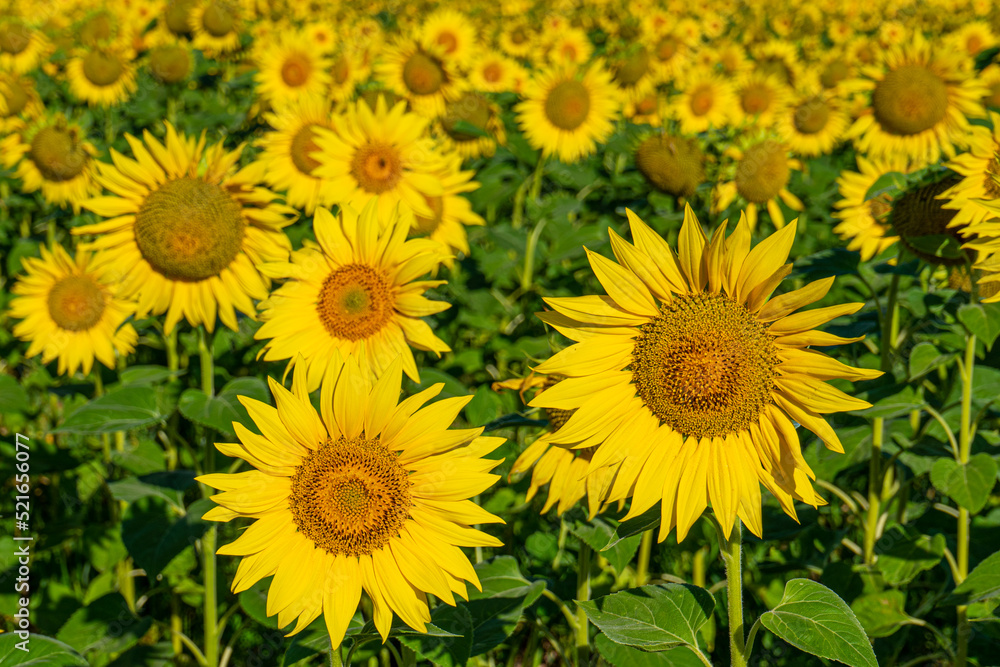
x,y
671,164
422,77
670,55
779,59
813,125
379,154
921,212
833,71
481,114
569,47
562,468
493,72
23,47
864,51
865,222
290,69
973,38
760,177
518,39
54,156
450,35
920,103
321,36
690,380
176,19
102,76
345,72
70,312
984,238
452,212
19,102
354,295
356,498
729,56
170,62
633,75
187,229
286,161
762,98
990,78
215,26
980,169
646,110
706,101
567,111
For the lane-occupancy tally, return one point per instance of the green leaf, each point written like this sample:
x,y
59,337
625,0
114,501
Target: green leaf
x,y
543,546
598,533
968,485
254,603
881,614
814,619
148,375
925,357
938,245
153,540
890,184
168,486
497,609
983,583
87,629
220,411
42,652
140,457
619,655
901,557
652,618
635,526
898,404
13,397
981,320
119,410
446,651
484,407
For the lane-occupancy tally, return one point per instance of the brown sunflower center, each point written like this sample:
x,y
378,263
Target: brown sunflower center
x,y
295,70
702,100
756,98
834,72
471,108
991,179
493,72
14,36
423,74
427,226
341,70
303,145
671,164
557,418
97,28
811,116
919,213
705,366
632,69
519,36
568,105
76,303
350,497
189,229
169,63
355,302
762,172
647,105
777,68
57,153
176,16
218,20
666,48
101,69
377,167
448,41
15,97
909,100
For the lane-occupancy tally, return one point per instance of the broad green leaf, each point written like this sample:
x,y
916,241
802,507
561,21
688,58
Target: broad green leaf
x,y
890,184
254,603
635,526
140,457
220,411
652,618
970,484
619,655
898,404
881,614
497,609
87,629
153,540
484,407
925,357
543,546
13,397
312,640
901,557
938,245
42,652
446,651
983,583
597,534
169,486
814,619
148,374
119,410
982,320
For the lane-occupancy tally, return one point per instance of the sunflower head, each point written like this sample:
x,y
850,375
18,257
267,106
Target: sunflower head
x,y
58,152
671,164
910,99
176,16
170,63
920,213
763,171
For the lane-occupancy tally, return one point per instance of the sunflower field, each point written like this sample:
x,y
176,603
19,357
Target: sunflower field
x,y
538,332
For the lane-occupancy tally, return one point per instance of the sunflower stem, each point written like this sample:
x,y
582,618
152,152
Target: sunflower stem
x,y
335,659
642,568
582,595
170,345
732,555
874,491
536,183
208,542
964,444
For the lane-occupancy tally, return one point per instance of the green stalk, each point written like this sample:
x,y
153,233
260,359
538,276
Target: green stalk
x,y
732,555
170,345
874,490
335,659
964,444
536,183
582,595
208,542
642,568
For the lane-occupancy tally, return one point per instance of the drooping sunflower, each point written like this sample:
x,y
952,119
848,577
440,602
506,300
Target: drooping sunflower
x,y
356,294
102,76
422,77
980,169
567,111
452,212
54,156
690,378
381,154
921,212
355,499
760,176
290,69
22,45
813,125
287,162
865,223
70,311
449,34
216,26
921,102
19,102
187,230
707,100
479,112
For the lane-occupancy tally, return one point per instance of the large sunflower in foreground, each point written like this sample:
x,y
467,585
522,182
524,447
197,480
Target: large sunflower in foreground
x,y
70,311
921,102
567,111
690,378
187,230
365,496
356,295
378,154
